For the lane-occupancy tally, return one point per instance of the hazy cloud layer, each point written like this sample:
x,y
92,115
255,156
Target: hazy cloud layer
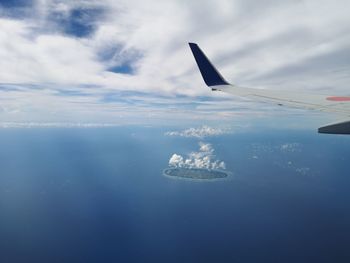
x,y
54,125
78,53
204,159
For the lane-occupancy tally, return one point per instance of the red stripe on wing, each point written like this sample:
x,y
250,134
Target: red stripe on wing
x,y
339,98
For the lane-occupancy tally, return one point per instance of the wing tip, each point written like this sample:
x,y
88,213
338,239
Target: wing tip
x,y
336,128
210,74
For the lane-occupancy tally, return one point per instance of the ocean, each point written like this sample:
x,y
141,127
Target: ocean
x,y
99,195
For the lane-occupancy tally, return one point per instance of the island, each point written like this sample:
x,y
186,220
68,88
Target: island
x,y
195,173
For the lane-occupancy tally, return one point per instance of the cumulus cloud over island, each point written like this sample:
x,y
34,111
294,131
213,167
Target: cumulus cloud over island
x,y
203,159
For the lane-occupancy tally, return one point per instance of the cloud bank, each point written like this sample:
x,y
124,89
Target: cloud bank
x,y
203,159
201,132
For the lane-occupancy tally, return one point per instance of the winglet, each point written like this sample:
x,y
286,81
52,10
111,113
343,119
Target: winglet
x,y
336,128
210,75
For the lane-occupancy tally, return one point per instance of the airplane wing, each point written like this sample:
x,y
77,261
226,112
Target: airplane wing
x,y
333,104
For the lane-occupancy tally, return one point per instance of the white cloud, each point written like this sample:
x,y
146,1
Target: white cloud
x,y
290,147
176,160
204,159
303,170
206,147
267,148
201,132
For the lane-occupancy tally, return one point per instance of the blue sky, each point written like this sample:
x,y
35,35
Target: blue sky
x,y
127,62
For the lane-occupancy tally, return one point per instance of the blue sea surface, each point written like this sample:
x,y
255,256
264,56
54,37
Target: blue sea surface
x,y
98,195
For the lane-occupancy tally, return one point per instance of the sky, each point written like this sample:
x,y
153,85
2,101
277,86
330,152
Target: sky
x,y
128,62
